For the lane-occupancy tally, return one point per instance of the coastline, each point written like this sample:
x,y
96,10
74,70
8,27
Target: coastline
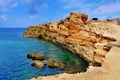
x,y
92,40
109,71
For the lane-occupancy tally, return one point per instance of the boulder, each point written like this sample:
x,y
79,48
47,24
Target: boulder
x,y
35,56
78,16
53,64
38,64
50,63
59,65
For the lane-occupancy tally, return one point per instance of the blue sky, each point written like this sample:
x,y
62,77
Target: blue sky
x,y
22,13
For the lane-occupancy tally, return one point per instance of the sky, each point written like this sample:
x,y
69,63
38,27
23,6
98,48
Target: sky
x,y
23,13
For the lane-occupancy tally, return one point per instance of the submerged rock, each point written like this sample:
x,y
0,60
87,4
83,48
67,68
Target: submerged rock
x,y
39,61
50,63
35,56
59,65
38,64
53,64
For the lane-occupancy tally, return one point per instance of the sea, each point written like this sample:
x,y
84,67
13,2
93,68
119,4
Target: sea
x,y
14,65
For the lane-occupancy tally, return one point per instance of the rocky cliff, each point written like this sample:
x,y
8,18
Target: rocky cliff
x,y
78,34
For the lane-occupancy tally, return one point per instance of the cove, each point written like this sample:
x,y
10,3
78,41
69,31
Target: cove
x,y
60,54
14,64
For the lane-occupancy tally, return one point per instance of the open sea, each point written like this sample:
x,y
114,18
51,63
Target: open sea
x,y
14,64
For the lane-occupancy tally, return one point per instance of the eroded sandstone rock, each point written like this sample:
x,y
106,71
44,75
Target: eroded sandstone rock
x,y
77,34
53,64
38,64
35,56
39,61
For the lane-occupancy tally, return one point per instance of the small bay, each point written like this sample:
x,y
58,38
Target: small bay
x,y
14,64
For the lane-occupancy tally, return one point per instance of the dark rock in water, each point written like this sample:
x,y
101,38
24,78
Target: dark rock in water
x,y
50,63
53,64
35,56
38,64
29,56
59,65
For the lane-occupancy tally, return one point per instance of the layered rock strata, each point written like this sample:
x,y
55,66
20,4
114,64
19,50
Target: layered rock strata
x,y
77,34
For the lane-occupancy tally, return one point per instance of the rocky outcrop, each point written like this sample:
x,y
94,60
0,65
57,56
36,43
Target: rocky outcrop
x,y
38,64
39,61
35,56
54,64
76,34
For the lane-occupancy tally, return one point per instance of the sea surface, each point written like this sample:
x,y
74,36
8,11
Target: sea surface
x,y
14,64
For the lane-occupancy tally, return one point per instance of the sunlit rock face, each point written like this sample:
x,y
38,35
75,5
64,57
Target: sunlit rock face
x,y
77,34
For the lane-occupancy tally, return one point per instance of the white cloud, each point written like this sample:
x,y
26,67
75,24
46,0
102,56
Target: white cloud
x,y
107,9
5,5
15,4
33,16
4,17
71,4
34,6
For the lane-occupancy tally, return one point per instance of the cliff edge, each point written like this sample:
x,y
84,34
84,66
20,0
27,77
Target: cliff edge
x,y
77,34
95,41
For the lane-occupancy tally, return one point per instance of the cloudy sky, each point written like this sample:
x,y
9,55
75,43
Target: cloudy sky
x,y
22,13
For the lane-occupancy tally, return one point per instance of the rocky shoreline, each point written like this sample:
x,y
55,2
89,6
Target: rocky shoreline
x,y
89,39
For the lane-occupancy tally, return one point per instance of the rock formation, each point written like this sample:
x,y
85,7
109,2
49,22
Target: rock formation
x,y
77,34
96,41
38,64
54,64
35,56
39,61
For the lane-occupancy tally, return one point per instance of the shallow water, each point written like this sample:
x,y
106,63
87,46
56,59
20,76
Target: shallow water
x,y
14,64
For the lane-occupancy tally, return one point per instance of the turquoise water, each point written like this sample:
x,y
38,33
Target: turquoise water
x,y
14,64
